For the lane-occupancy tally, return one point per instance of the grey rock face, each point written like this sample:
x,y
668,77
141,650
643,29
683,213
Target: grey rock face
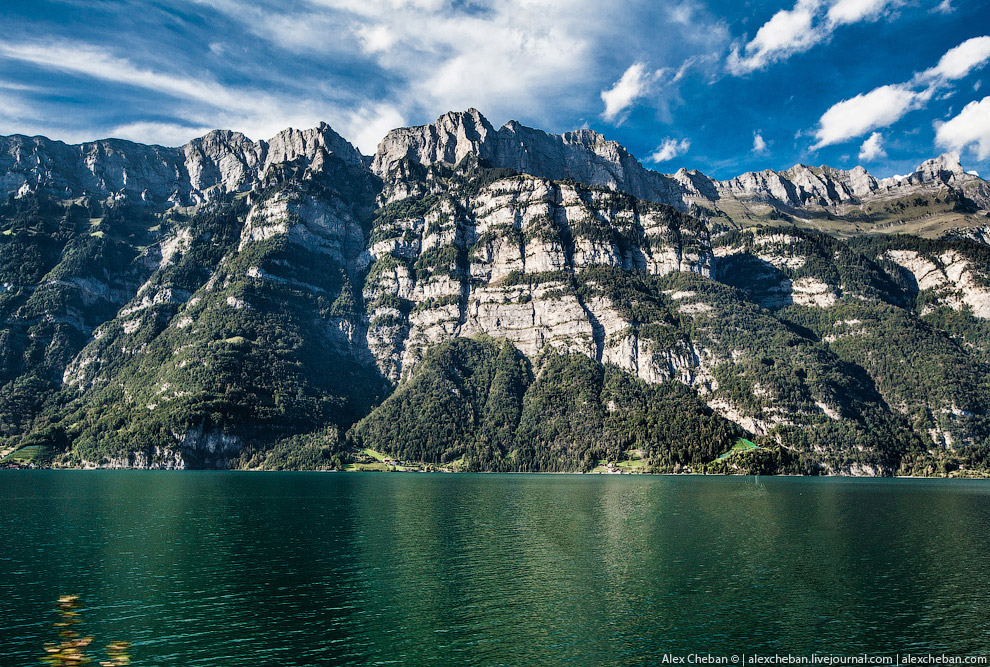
x,y
219,163
587,157
223,162
584,155
505,262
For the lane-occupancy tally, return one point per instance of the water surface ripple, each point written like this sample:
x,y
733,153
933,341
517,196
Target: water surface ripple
x,y
291,569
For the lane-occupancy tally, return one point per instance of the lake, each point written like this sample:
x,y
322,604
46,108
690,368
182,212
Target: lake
x,y
228,569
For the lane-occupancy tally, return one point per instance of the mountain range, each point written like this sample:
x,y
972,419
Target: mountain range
x,y
475,298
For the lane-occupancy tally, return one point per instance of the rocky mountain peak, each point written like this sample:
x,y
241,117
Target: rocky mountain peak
x,y
582,155
224,161
942,168
290,144
449,139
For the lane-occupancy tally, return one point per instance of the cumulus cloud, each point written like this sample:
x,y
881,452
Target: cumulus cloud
x,y
670,148
845,12
872,148
960,60
788,31
796,30
850,118
970,128
759,145
632,85
885,105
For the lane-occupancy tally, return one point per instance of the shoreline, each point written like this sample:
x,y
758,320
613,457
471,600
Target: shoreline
x,y
982,477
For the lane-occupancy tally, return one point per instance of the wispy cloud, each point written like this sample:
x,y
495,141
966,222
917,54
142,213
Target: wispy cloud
x,y
944,7
507,57
164,134
885,105
634,84
798,29
99,63
441,55
208,104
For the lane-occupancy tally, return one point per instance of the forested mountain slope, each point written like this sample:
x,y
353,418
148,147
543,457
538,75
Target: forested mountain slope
x,y
485,299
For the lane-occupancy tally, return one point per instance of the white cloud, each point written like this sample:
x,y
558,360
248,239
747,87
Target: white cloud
x,y
304,30
633,84
886,105
515,56
164,134
101,64
257,114
505,57
682,13
368,127
787,32
872,148
759,145
796,30
853,117
970,128
376,38
961,60
20,87
541,61
944,7
670,148
20,116
845,12
13,107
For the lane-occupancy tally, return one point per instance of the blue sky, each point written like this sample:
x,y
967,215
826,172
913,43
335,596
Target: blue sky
x,y
723,86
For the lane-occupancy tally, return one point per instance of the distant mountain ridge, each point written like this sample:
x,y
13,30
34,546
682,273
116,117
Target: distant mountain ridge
x,y
482,299
224,161
221,162
587,157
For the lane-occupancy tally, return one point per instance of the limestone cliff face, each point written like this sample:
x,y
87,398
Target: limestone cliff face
x,y
584,155
217,164
948,277
844,191
510,261
587,157
224,162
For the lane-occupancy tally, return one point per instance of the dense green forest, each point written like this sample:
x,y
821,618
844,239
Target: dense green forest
x,y
478,400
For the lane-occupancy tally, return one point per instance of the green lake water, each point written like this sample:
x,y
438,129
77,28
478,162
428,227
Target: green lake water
x,y
285,569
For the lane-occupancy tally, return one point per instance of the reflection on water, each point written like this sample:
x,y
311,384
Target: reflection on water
x,y
228,569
